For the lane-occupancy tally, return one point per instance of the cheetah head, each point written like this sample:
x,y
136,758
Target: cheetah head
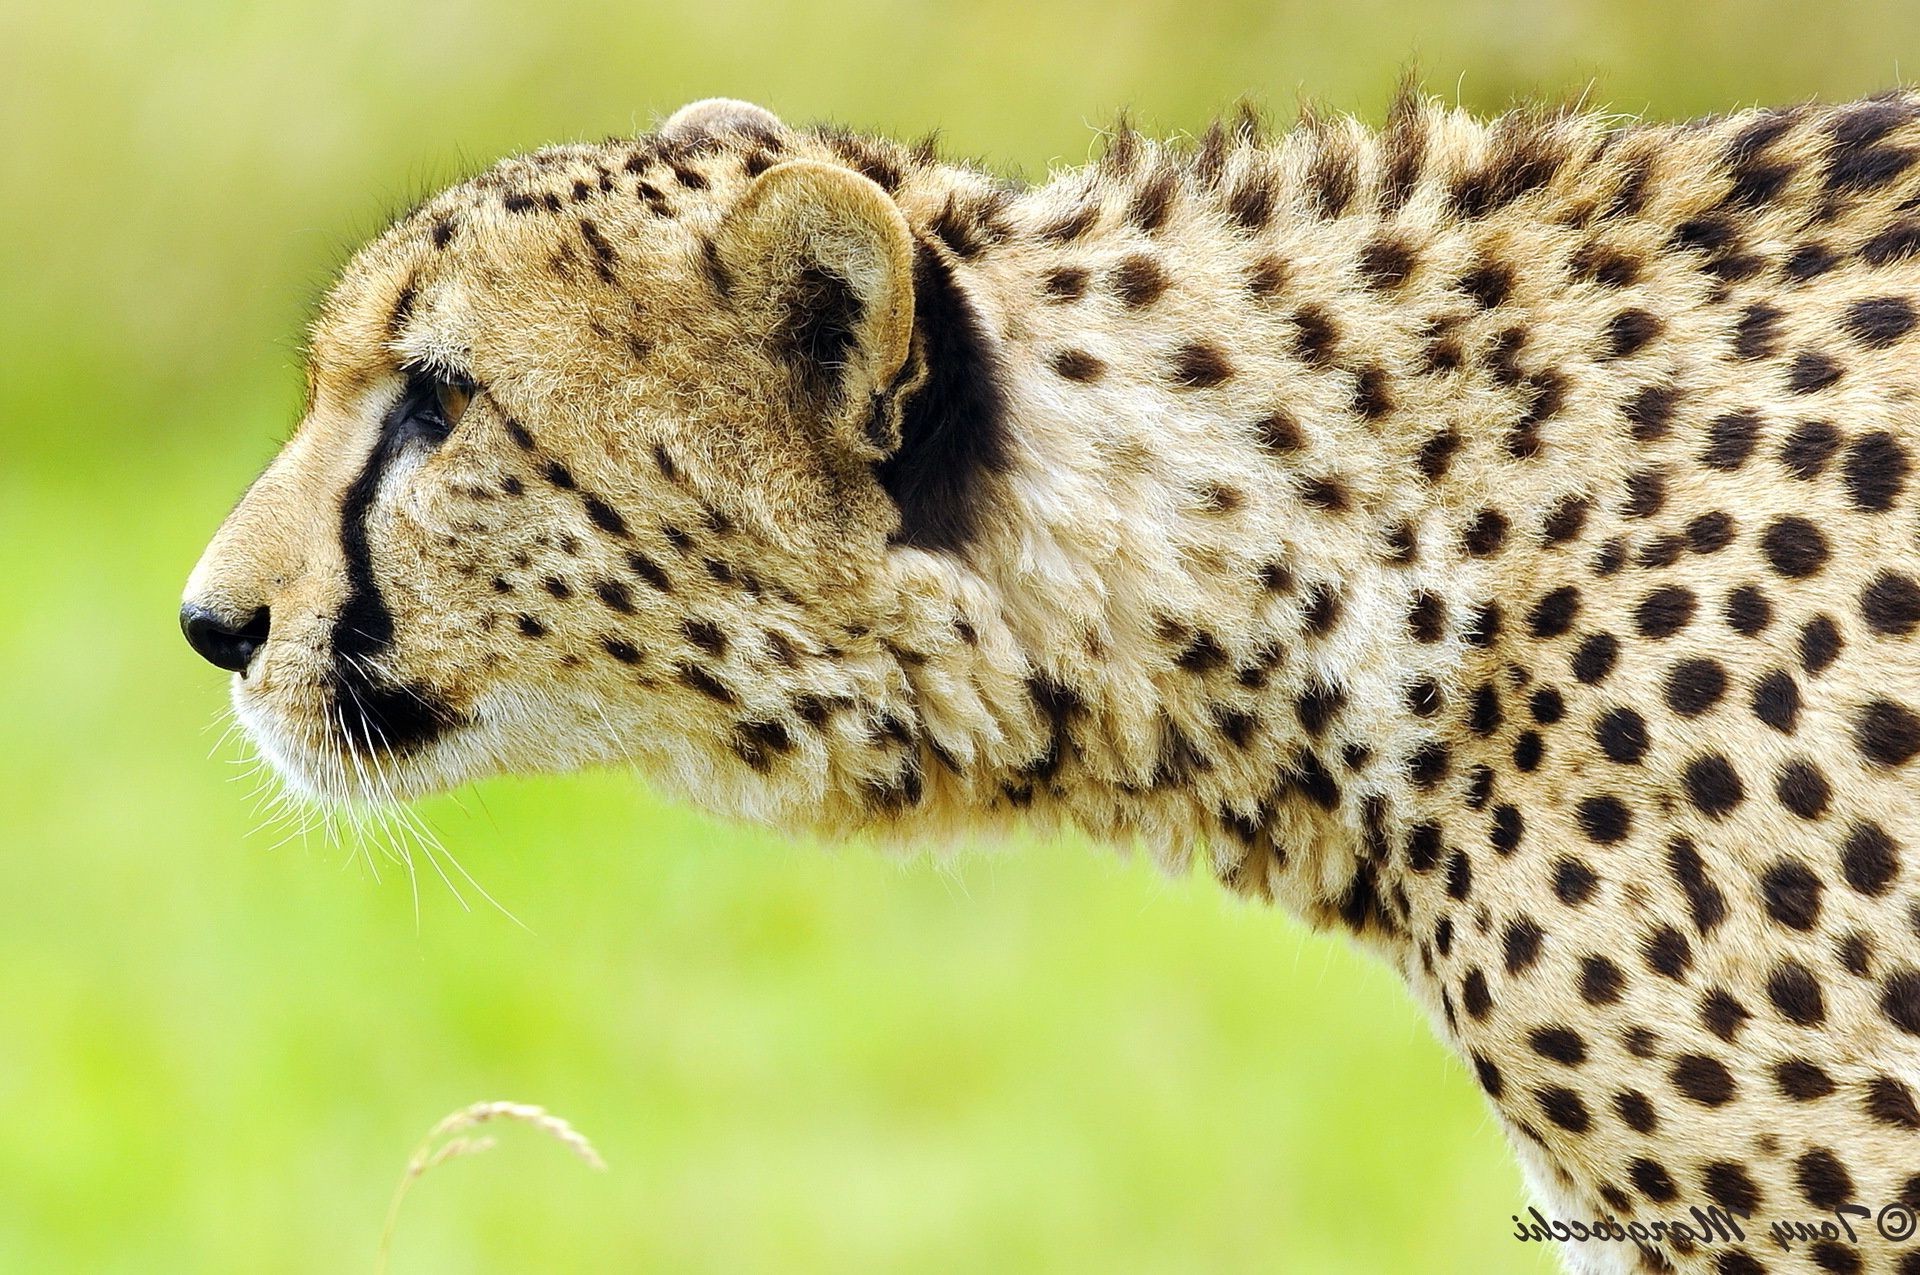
x,y
608,457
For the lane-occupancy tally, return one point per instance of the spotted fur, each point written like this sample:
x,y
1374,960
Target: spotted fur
x,y
1495,539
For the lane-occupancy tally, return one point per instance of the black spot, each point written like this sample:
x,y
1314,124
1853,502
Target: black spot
x,y
1071,224
706,635
1067,283
624,651
615,595
1695,685
1483,626
1199,365
1607,266
1646,493
1566,520
1652,1180
1595,658
1704,899
1316,336
1728,1185
1900,1000
1078,365
1820,644
1488,283
758,743
1823,1180
1528,749
1875,471
1776,701
1429,764
1664,612
1317,706
1880,321
1801,1080
1489,1076
1427,617
1324,493
1507,829
1637,1111
1622,735
1891,604
1808,261
1662,551
1600,980
1153,201
1555,612
1791,894
1423,846
1564,1108
1887,734
1474,995
1890,1102
1573,882
1629,332
1896,243
1138,280
1485,534
1279,432
1560,1044
703,682
1758,334
1811,371
1483,713
1649,413
648,570
1314,782
1605,819
1705,1080
1710,533
1712,785
1437,453
1459,875
1869,859
1730,440
1808,448
1386,262
1424,697
1723,1015
1748,611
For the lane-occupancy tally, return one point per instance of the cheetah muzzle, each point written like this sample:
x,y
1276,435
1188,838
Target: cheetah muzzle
x,y
1496,539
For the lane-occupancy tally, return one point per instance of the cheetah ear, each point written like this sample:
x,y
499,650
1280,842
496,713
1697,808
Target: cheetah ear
x,y
823,257
713,115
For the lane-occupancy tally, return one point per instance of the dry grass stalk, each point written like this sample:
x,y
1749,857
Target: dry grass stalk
x,y
433,1152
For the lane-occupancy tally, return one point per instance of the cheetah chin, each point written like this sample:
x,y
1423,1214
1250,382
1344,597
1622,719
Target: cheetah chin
x,y
1497,540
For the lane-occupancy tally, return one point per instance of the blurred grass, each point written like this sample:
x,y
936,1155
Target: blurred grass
x,y
215,1054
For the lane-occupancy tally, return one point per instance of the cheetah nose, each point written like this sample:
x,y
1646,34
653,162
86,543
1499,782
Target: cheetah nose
x,y
219,642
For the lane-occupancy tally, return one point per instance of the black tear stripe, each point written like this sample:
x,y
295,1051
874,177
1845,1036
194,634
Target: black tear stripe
x,y
953,427
377,716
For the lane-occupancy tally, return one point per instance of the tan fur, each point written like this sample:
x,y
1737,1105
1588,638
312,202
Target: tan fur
x,y
1290,423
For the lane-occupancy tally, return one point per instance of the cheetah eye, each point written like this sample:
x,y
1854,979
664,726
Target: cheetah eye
x,y
431,405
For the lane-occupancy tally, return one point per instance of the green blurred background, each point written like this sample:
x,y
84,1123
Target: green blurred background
x,y
216,1053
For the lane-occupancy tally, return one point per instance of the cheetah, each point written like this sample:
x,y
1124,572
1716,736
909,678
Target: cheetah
x,y
1496,539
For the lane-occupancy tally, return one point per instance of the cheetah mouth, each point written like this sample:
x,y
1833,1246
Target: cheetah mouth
x,y
380,718
351,739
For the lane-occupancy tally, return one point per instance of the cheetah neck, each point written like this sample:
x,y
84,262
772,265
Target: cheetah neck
x,y
1275,445
1188,651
